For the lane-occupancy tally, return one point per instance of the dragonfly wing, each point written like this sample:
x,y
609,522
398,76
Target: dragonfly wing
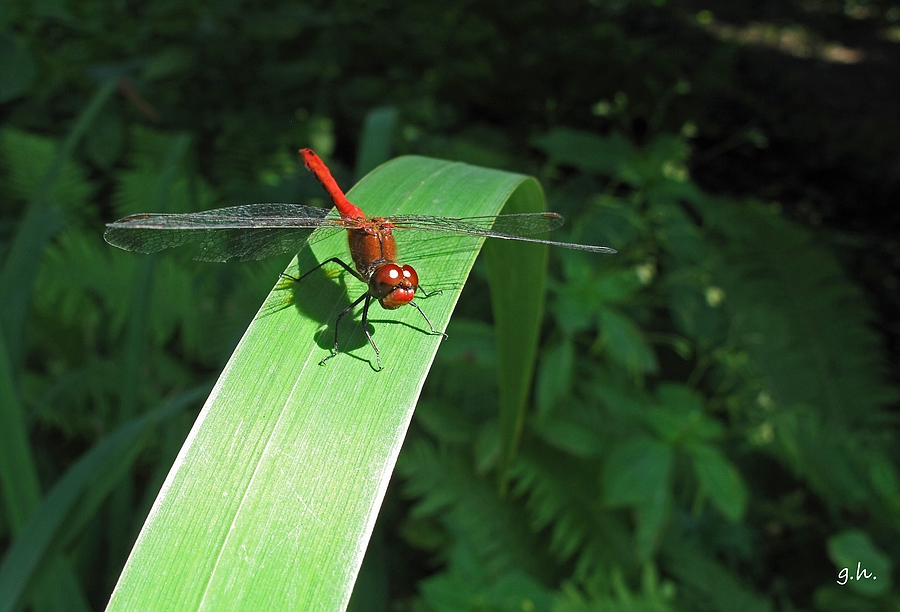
x,y
565,245
506,227
516,225
253,231
213,245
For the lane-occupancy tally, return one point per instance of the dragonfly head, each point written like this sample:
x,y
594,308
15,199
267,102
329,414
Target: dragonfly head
x,y
393,285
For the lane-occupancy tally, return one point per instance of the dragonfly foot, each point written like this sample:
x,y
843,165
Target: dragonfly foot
x,y
427,320
327,357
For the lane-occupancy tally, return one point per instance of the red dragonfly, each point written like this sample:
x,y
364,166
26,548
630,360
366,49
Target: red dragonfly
x,y
257,231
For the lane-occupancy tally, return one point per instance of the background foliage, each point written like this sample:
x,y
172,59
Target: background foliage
x,y
714,415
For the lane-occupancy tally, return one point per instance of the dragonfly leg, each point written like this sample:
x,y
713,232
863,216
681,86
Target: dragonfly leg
x,y
365,324
428,294
337,324
336,260
427,320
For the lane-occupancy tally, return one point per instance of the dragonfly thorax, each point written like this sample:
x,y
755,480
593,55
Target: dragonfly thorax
x,y
371,245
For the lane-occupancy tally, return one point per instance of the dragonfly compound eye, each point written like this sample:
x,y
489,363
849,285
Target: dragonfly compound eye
x,y
410,273
393,286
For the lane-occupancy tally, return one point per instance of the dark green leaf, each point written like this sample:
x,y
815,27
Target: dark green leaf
x,y
720,479
637,471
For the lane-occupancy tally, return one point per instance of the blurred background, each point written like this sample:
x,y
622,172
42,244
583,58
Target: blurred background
x,y
714,417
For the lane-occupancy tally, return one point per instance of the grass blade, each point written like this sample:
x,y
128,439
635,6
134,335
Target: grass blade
x,y
272,499
517,274
72,501
375,141
39,223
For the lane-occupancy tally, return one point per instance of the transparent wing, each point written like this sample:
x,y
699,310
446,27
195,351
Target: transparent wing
x,y
252,231
506,227
257,231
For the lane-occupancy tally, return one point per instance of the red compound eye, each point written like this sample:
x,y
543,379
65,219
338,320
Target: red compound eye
x,y
410,274
394,286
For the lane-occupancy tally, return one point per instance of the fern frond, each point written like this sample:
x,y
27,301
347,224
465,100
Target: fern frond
x,y
705,583
621,599
803,326
458,589
470,509
26,158
137,187
79,403
81,284
564,494
85,288
820,350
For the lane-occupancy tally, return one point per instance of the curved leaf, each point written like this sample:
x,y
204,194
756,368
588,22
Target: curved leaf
x,y
272,500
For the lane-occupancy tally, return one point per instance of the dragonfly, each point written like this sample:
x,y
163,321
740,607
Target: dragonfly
x,y
257,231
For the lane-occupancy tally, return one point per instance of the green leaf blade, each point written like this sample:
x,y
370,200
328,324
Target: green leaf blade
x,y
721,480
273,497
636,471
